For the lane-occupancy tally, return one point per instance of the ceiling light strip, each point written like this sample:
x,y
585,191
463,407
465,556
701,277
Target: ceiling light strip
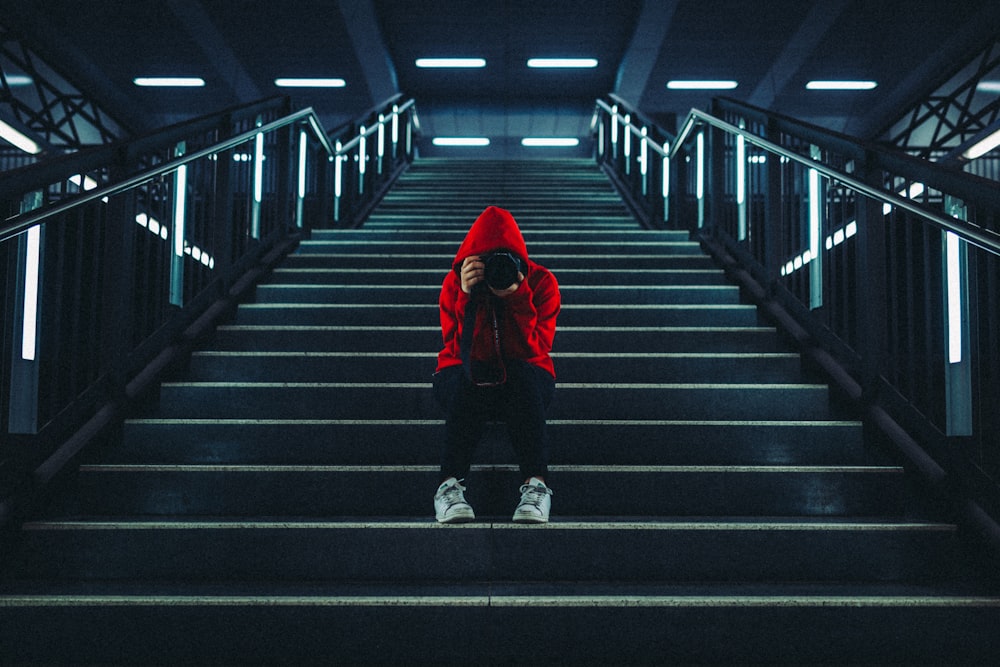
x,y
552,142
450,62
309,83
461,141
841,85
681,84
584,63
169,81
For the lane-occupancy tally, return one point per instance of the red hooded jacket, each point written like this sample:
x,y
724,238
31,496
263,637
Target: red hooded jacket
x,y
529,314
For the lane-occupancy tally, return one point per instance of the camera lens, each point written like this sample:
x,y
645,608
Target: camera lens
x,y
501,270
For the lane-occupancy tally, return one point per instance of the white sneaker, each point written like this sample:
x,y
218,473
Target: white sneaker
x,y
535,502
450,505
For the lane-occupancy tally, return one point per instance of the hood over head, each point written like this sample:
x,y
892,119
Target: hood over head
x,y
495,228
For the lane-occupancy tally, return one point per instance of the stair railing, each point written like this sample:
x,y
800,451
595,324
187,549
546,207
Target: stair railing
x,y
884,266
113,259
633,152
371,152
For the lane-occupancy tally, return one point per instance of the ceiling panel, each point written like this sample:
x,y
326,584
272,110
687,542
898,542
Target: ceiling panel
x,y
240,46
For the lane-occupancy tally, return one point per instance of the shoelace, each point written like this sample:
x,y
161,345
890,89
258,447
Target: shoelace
x,y
533,495
453,496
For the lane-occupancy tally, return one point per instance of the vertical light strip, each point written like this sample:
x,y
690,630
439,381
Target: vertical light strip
x,y
177,229
666,182
700,178
258,168
361,161
303,155
815,224
643,157
361,152
643,150
258,182
814,214
614,125
741,169
395,124
338,176
338,179
381,135
29,327
303,149
741,186
627,138
666,170
700,166
180,202
953,263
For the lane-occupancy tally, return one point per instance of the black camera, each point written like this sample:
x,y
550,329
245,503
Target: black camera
x,y
501,269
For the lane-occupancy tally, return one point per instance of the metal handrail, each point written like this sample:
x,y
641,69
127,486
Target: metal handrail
x,y
24,222
847,317
344,148
973,234
633,128
978,236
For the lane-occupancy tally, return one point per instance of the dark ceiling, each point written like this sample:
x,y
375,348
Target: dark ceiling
x,y
771,48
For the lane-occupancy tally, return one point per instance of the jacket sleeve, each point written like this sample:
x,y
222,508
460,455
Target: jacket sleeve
x,y
534,307
451,302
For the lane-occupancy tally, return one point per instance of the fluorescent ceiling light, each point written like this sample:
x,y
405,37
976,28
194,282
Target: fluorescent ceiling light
x,y
841,85
26,144
451,62
983,147
461,141
562,62
550,141
701,85
310,83
19,80
169,81
988,86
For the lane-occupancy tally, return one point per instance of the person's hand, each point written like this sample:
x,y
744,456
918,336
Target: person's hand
x,y
472,272
510,290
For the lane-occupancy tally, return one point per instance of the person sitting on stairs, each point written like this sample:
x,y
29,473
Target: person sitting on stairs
x,y
498,319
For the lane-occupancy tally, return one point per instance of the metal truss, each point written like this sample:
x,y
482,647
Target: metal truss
x,y
950,118
44,104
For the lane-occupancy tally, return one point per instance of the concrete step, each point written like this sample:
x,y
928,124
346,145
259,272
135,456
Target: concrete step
x,y
235,490
540,249
441,261
562,622
434,276
614,550
282,441
217,366
414,400
428,314
378,293
380,338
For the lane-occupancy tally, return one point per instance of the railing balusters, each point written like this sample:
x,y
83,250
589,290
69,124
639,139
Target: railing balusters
x,y
136,240
853,241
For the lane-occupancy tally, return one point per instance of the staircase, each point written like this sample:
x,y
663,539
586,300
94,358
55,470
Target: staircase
x,y
711,503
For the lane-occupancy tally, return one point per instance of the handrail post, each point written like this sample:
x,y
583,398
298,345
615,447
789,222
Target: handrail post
x,y
24,376
958,349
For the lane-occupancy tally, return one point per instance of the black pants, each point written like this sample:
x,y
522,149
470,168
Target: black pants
x,y
520,403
